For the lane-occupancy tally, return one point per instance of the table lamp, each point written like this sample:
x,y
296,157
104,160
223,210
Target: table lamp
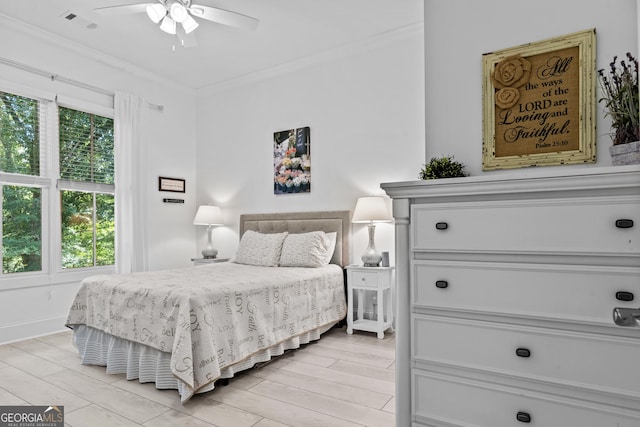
x,y
210,216
370,210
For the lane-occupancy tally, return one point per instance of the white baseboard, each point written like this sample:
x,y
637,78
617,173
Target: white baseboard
x,y
38,328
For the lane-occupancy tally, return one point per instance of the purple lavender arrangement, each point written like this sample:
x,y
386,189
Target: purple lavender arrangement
x,y
620,95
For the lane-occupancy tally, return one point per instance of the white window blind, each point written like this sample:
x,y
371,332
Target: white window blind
x,y
86,148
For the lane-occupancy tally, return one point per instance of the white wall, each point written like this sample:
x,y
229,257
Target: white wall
x,y
369,107
364,106
38,304
458,32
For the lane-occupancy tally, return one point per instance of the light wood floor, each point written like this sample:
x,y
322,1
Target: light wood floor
x,y
341,380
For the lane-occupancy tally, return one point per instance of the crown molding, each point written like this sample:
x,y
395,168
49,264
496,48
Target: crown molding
x,y
364,45
95,55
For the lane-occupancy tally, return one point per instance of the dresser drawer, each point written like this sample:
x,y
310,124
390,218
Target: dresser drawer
x,y
557,225
586,361
573,293
439,400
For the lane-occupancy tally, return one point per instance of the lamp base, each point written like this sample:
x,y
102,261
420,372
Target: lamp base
x,y
209,253
371,257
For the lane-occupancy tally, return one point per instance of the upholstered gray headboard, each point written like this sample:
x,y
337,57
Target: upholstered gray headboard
x,y
302,222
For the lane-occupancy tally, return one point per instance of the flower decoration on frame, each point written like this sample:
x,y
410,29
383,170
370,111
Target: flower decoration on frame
x,y
509,74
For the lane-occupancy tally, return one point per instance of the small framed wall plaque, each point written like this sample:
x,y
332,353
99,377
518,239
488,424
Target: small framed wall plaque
x,y
539,103
175,185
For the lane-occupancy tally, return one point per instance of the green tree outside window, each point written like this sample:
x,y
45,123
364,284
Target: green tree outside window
x,y
85,175
21,229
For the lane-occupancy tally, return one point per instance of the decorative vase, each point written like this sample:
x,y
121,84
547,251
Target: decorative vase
x,y
625,154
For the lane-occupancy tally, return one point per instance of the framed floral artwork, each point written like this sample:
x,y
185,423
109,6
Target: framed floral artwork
x,y
292,161
539,103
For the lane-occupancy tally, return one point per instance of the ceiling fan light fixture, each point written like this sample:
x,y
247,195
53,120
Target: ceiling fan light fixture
x,y
189,24
168,25
156,12
178,12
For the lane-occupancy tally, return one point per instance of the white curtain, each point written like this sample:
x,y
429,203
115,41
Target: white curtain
x,y
130,177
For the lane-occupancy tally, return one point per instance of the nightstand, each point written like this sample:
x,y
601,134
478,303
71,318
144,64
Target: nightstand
x,y
370,282
203,261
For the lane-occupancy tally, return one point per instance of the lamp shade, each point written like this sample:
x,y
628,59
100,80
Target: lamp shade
x,y
178,12
189,24
371,209
208,215
168,25
156,12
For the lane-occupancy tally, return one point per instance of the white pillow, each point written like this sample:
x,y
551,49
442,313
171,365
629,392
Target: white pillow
x,y
331,245
304,250
260,249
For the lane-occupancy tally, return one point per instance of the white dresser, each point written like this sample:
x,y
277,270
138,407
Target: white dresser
x,y
506,286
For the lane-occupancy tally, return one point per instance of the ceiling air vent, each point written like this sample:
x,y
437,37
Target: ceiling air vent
x,y
78,20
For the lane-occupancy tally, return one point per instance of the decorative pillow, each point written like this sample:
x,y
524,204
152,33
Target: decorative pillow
x,y
330,240
304,250
260,249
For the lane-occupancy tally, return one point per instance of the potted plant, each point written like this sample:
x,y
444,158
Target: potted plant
x,y
442,167
620,96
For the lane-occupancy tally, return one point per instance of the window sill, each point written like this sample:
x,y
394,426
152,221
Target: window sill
x,y
30,280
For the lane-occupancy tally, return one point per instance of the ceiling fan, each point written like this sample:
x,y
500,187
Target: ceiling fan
x,y
178,17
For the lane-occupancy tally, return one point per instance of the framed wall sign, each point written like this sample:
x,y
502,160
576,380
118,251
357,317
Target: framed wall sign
x,y
175,185
539,103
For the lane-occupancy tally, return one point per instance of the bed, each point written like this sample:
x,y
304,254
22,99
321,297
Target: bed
x,y
186,328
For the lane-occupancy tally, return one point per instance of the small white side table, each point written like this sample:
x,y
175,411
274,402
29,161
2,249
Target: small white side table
x,y
371,281
203,261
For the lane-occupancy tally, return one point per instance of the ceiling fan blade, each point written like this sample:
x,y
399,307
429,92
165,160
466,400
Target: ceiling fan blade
x,y
224,17
123,9
186,40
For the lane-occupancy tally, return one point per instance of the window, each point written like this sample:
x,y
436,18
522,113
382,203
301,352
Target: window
x,y
45,177
21,228
19,134
20,141
86,147
86,184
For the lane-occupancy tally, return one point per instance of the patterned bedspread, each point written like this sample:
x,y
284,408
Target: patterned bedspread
x,y
211,317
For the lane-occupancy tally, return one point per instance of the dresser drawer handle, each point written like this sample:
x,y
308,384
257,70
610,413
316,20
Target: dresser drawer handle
x,y
624,296
523,352
442,284
441,225
624,223
629,317
523,417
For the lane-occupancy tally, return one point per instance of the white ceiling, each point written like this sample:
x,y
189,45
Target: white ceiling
x,y
289,31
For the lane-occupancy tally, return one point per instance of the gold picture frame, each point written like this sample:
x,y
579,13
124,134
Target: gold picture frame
x,y
539,103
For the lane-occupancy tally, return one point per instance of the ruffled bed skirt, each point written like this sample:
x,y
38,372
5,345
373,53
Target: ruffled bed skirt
x,y
146,364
